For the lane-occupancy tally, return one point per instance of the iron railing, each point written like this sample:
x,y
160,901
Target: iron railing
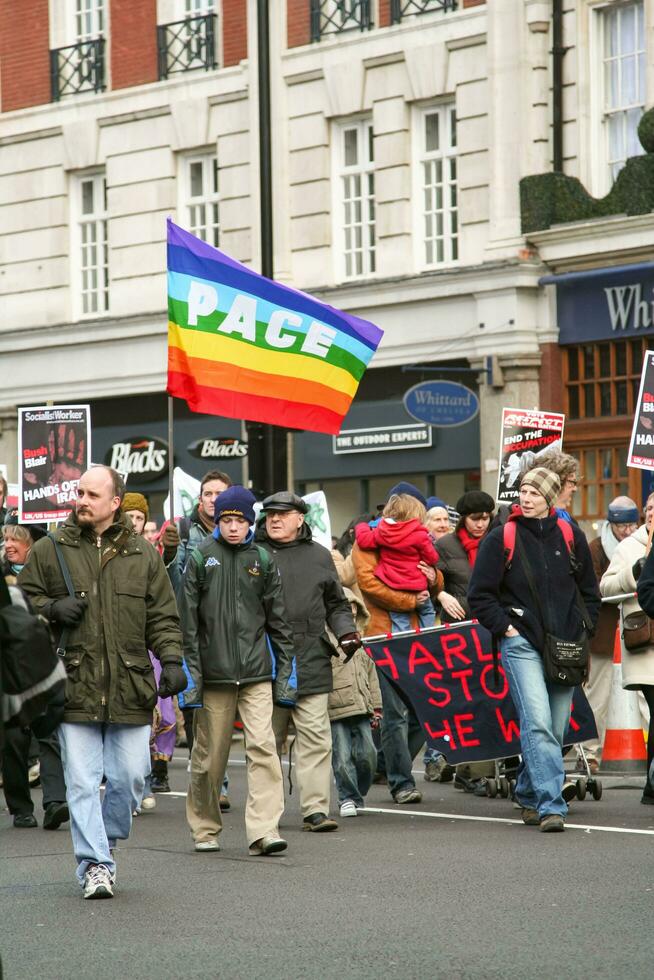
x,y
409,8
338,16
77,68
187,45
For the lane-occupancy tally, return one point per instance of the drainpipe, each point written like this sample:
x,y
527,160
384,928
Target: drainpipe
x,y
558,52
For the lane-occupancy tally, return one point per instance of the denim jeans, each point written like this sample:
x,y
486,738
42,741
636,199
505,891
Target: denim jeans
x,y
89,751
401,738
431,755
401,621
354,757
544,712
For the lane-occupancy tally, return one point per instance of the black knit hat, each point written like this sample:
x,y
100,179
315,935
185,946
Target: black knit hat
x,y
475,502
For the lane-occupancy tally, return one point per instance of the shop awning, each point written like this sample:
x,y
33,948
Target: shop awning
x,y
590,274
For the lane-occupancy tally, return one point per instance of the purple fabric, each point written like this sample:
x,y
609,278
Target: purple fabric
x,y
162,745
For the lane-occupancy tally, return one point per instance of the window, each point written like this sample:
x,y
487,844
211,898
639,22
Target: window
x,y
602,380
603,477
189,43
623,69
355,204
338,16
437,185
91,249
200,206
89,19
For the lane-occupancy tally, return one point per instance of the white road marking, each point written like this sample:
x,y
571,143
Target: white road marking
x,y
402,812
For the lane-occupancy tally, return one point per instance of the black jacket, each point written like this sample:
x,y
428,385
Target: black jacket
x,y
500,597
312,595
231,597
453,563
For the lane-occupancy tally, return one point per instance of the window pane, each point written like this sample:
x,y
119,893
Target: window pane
x,y
87,197
620,357
431,132
589,361
605,361
621,407
350,152
453,128
573,364
195,171
573,402
589,400
371,144
590,466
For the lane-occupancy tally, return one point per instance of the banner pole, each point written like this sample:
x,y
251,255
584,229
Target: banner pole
x,y
171,463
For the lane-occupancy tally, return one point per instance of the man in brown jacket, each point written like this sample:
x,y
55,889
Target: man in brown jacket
x,y
622,521
122,605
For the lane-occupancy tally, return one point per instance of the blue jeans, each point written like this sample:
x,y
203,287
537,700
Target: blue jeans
x,y
431,755
89,751
401,621
401,737
354,757
544,712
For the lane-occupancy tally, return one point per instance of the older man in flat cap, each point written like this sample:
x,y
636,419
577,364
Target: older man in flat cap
x,y
314,598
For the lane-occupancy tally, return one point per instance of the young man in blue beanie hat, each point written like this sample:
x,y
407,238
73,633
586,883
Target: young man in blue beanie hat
x,y
232,597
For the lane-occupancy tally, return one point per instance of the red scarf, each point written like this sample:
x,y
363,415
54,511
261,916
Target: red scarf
x,y
470,544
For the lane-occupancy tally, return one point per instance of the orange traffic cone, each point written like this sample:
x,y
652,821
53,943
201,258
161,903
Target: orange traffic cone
x,y
624,745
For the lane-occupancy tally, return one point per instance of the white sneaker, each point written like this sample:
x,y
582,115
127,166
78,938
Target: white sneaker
x,y
348,809
97,882
148,803
188,767
207,845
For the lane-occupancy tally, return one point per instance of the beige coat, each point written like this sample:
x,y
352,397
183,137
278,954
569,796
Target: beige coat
x,y
356,688
637,668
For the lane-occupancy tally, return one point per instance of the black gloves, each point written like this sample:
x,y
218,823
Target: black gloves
x,y
173,680
637,567
349,644
68,611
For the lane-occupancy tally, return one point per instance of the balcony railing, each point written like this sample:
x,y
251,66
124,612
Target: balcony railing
x,y
338,16
187,45
78,68
408,8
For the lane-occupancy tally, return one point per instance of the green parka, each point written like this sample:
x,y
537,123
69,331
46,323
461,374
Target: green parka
x,y
231,597
131,609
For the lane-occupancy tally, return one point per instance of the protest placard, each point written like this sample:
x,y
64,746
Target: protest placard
x,y
641,446
53,452
447,675
526,435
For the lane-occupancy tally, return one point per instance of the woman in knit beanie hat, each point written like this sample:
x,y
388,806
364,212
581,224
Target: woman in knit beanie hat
x,y
135,506
546,482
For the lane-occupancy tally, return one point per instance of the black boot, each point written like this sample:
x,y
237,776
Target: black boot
x,y
159,781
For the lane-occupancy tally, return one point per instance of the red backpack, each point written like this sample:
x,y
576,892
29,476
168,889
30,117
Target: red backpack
x,y
509,532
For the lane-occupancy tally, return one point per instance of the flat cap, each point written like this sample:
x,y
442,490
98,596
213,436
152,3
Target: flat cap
x,y
285,500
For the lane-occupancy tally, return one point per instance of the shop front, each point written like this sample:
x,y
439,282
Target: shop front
x,y
606,323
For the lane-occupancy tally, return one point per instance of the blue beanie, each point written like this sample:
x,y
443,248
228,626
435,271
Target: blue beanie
x,y
236,501
435,502
409,489
623,515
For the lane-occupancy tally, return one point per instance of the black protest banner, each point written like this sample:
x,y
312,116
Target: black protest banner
x,y
53,452
526,435
641,447
447,675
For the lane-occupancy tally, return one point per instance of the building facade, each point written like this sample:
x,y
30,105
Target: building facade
x,y
401,132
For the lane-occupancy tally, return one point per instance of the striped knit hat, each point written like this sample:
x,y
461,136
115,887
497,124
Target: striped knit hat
x,y
545,481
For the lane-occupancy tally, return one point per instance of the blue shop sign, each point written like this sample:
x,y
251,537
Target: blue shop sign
x,y
441,403
604,304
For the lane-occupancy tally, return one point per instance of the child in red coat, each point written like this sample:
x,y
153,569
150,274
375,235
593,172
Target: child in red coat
x,y
402,541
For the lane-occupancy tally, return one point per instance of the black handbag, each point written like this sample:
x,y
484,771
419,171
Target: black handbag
x,y
565,661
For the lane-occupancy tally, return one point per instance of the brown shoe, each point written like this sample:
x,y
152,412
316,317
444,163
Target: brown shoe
x,y
530,817
319,823
553,823
225,805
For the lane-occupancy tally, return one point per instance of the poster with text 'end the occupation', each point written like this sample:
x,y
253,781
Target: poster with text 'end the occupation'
x,y
641,447
526,437
53,452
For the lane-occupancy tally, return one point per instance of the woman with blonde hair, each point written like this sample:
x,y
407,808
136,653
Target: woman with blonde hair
x,y
403,542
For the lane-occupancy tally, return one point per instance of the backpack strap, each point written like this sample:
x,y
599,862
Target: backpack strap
x,y
509,532
264,556
565,527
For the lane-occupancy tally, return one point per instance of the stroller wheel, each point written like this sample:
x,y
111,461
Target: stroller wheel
x,y
491,788
581,788
595,788
503,787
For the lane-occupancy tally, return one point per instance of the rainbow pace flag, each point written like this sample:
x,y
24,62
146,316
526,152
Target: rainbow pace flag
x,y
246,347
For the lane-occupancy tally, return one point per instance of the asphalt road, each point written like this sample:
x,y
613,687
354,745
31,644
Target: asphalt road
x,y
454,888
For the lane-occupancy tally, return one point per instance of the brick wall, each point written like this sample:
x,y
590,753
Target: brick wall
x,y
384,13
472,3
551,379
235,32
298,20
133,42
24,54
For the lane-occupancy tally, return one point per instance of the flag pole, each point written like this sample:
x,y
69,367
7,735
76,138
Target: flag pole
x,y
171,461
